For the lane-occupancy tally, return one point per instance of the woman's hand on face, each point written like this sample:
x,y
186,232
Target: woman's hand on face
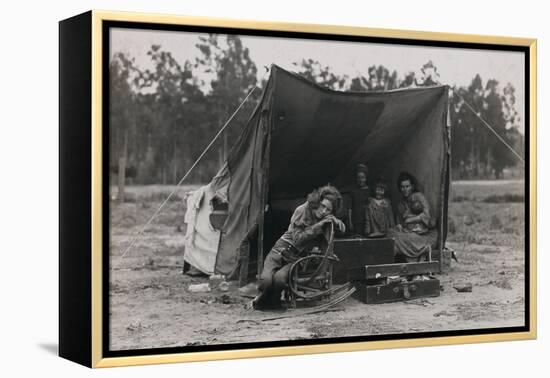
x,y
399,228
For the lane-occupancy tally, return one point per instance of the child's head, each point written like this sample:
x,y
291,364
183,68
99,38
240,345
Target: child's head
x,y
380,189
361,173
417,207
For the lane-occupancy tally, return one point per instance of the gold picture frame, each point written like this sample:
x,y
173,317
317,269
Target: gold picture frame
x,y
83,277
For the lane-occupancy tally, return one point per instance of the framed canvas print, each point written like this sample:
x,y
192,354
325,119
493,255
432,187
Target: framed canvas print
x,y
233,189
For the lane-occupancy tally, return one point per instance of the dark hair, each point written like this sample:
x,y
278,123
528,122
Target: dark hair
x,y
362,168
406,176
325,192
380,183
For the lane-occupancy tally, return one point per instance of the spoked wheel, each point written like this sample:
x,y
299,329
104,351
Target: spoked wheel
x,y
310,277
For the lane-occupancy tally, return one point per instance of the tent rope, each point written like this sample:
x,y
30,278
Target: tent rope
x,y
486,124
222,129
142,229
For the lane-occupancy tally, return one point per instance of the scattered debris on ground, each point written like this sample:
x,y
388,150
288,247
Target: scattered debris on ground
x,y
463,287
152,304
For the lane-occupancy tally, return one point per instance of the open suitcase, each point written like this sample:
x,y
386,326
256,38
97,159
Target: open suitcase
x,y
368,264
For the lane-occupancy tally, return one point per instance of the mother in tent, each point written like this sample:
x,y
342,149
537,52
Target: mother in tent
x,y
415,231
307,230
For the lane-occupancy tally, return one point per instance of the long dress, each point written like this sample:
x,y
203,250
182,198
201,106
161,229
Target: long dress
x,y
378,218
409,243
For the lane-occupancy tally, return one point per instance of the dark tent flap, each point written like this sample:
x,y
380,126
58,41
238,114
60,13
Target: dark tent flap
x,y
320,135
308,148
317,136
246,165
425,155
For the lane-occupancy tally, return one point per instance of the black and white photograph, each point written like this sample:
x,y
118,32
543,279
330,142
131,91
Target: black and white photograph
x,y
272,189
275,189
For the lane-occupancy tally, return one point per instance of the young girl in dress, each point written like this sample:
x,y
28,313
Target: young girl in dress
x,y
379,214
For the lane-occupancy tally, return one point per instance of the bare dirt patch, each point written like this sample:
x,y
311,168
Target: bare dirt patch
x,y
151,306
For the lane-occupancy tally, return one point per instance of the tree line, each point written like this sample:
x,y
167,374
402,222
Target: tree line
x,y
162,118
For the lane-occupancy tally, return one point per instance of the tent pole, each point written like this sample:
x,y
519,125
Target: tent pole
x,y
441,223
264,192
261,240
446,181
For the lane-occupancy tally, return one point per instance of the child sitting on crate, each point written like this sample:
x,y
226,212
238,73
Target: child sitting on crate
x,y
379,214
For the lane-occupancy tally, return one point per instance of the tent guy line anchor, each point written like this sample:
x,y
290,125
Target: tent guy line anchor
x,y
140,232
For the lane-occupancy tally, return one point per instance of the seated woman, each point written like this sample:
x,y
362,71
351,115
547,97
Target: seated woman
x,y
306,231
415,231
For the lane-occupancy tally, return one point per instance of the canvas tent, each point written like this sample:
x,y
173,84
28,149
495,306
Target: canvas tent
x,y
301,136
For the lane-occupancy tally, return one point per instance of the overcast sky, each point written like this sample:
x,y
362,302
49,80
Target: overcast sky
x,y
455,66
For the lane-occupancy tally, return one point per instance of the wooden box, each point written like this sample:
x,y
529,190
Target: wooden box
x,y
356,253
373,272
446,256
373,287
397,291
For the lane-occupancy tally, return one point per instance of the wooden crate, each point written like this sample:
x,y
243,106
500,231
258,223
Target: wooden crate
x,y
397,291
446,259
356,253
373,272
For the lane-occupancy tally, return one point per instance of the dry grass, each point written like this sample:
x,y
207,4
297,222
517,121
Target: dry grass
x,y
479,213
151,305
480,190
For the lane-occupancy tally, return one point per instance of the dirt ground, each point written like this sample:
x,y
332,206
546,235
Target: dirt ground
x,y
151,307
